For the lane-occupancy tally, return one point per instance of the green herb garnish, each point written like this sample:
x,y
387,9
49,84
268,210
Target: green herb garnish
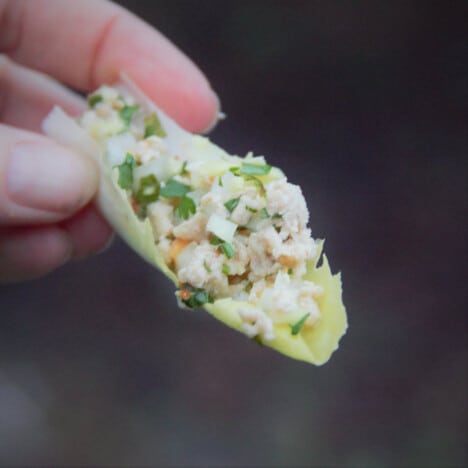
x,y
297,327
248,287
252,210
290,271
251,169
184,171
264,213
256,182
194,297
207,268
148,191
250,177
215,240
231,204
254,169
225,269
153,126
174,189
227,249
126,172
186,207
127,113
94,99
277,216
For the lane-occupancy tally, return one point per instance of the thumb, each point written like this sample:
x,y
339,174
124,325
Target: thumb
x,y
40,181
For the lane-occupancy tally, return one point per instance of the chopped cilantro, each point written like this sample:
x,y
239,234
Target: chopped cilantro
x,y
127,113
227,249
148,191
195,297
174,189
231,204
126,172
186,207
225,268
153,126
297,327
264,213
94,99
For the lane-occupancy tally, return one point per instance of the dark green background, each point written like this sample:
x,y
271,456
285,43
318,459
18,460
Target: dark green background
x,y
364,104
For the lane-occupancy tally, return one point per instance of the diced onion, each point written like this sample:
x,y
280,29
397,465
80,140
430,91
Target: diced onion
x,y
221,227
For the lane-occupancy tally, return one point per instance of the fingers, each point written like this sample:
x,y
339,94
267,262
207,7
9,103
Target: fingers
x,y
40,181
87,43
30,252
27,253
88,231
26,96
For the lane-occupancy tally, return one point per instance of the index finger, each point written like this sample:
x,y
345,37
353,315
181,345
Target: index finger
x,y
87,43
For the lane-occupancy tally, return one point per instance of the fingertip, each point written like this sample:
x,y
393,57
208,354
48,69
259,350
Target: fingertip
x,y
162,71
44,181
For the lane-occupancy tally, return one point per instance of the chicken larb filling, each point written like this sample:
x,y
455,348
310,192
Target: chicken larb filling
x,y
231,227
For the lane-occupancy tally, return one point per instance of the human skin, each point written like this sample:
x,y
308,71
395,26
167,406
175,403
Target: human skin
x,y
47,214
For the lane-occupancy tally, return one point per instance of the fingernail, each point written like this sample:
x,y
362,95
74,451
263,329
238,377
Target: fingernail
x,y
219,115
48,177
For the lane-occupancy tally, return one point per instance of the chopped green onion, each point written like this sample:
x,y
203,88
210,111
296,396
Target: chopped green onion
x,y
186,207
127,113
254,169
277,216
256,182
297,327
215,240
252,210
290,271
248,287
148,191
153,126
197,298
94,99
126,172
227,249
231,204
225,268
249,176
220,181
174,189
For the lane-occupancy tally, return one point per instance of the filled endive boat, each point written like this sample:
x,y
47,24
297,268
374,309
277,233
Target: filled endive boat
x,y
230,232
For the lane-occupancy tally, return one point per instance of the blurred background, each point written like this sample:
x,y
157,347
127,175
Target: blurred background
x,y
364,104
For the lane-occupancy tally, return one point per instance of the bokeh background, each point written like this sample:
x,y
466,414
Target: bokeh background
x,y
364,104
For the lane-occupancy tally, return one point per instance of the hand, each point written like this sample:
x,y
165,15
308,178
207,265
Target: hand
x,y
47,214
